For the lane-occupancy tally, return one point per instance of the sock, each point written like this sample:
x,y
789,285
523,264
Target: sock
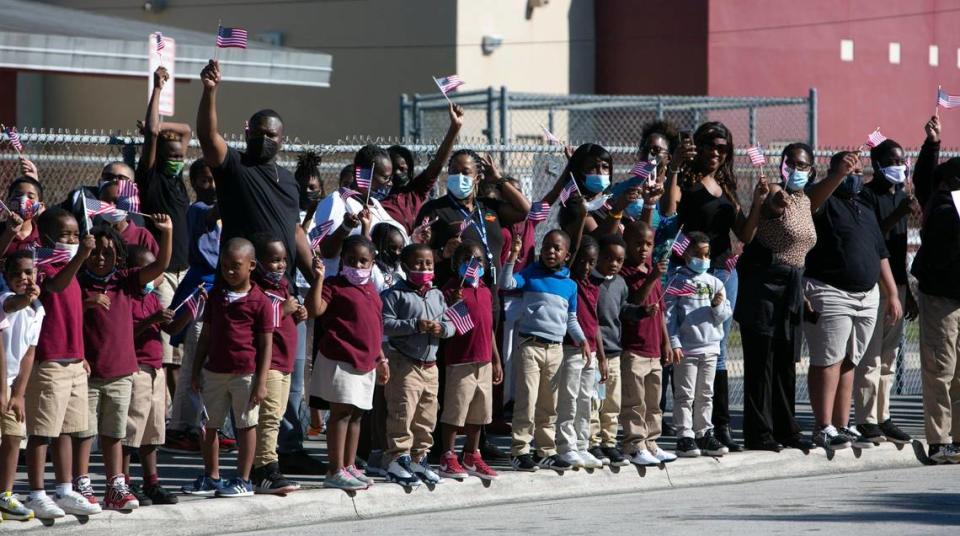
x,y
37,494
64,489
150,480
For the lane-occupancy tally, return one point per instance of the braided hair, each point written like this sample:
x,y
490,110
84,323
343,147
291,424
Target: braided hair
x,y
477,161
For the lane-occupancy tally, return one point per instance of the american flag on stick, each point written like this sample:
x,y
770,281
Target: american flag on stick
x,y
680,244
231,37
466,223
539,211
643,170
363,177
550,137
569,190
95,207
160,42
731,263
875,138
44,255
128,196
448,83
459,316
347,193
756,156
473,269
15,139
946,100
318,233
686,289
195,304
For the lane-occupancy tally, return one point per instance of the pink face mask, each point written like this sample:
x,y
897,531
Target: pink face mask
x,y
420,279
356,276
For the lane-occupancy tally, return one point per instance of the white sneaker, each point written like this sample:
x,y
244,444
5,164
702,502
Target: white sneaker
x,y
424,472
573,458
590,461
75,504
643,458
44,507
664,456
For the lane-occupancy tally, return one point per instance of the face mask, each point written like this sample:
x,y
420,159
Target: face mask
x,y
460,185
208,196
390,257
172,168
470,281
116,216
634,209
25,207
148,288
274,278
356,276
597,183
71,248
262,149
312,196
895,174
597,202
399,180
851,185
698,265
598,275
420,279
796,180
380,193
100,278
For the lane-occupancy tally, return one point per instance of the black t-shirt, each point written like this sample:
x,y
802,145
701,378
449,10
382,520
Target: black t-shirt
x,y
699,210
849,245
255,198
937,264
162,194
884,200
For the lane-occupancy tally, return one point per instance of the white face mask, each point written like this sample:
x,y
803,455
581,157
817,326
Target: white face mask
x,y
116,216
597,274
895,174
72,248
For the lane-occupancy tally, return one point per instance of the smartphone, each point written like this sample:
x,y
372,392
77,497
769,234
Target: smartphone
x,y
685,135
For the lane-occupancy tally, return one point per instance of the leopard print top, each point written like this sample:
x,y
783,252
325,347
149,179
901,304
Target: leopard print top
x,y
792,234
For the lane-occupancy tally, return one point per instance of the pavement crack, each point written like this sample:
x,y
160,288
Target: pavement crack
x,y
666,469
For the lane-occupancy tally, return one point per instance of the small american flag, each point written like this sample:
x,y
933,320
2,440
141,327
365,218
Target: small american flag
x,y
95,207
160,42
569,190
448,83
731,263
686,289
875,138
231,38
128,196
347,193
195,304
756,156
276,304
43,255
643,170
464,225
539,211
363,176
680,244
550,137
473,269
15,139
318,233
459,316
946,100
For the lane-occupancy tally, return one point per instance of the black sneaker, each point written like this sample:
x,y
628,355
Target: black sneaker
x,y
871,432
598,453
726,439
269,480
617,459
489,451
687,447
711,446
524,462
554,462
894,434
856,439
299,462
142,497
668,430
158,495
798,441
829,438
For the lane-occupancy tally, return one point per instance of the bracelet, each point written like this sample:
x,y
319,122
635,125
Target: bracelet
x,y
651,206
616,215
673,171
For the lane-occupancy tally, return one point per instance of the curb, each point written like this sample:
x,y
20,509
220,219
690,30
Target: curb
x,y
308,507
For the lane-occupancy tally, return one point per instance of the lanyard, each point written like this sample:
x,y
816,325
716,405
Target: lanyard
x,y
481,230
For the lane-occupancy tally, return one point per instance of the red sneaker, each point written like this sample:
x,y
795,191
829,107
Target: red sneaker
x,y
181,442
450,467
227,444
475,466
118,496
82,485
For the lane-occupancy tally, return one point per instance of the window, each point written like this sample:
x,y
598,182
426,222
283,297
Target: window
x,y
846,51
895,53
934,55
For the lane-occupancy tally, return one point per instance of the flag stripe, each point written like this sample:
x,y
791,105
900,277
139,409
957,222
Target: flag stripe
x,y
231,38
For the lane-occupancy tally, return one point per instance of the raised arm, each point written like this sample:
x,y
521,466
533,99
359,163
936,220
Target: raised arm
x,y
927,162
684,152
514,206
211,142
63,278
314,302
304,255
151,126
425,181
821,191
155,269
749,228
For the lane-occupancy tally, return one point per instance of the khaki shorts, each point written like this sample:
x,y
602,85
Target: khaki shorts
x,y
845,326
108,401
9,426
223,392
56,399
148,406
468,395
171,280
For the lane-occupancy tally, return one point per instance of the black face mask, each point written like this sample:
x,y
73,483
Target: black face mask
x,y
400,180
262,149
308,198
208,196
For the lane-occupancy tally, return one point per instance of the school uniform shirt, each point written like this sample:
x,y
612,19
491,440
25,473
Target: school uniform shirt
x,y
149,346
404,203
134,234
700,210
163,194
937,264
352,327
849,245
285,331
235,321
588,293
30,241
643,336
108,333
884,198
20,331
476,345
61,336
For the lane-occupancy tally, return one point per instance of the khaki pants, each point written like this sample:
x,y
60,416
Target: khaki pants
x,y
148,404
876,371
412,406
271,413
56,399
939,349
535,403
605,420
641,401
693,394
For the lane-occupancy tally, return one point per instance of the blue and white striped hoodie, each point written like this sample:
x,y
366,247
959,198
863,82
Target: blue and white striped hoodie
x,y
549,303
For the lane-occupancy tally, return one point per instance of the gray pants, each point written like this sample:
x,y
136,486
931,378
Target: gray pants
x,y
693,394
185,413
577,386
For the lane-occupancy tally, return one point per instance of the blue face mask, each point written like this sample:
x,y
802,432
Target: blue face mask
x,y
796,179
597,183
470,281
851,185
634,209
380,193
698,265
148,288
460,185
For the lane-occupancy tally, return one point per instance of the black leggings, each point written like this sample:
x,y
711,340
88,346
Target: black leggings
x,y
769,384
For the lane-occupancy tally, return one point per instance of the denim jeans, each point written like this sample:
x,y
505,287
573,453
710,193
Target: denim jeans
x,y
296,418
730,286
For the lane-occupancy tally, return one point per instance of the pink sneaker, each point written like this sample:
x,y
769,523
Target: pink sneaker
x,y
356,473
475,466
450,467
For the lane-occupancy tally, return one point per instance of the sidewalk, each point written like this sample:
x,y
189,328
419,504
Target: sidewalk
x,y
312,505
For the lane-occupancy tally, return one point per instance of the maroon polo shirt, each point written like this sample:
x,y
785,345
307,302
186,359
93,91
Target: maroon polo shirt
x,y
108,333
403,204
476,345
30,241
285,332
642,337
234,327
149,346
134,234
587,295
352,327
61,335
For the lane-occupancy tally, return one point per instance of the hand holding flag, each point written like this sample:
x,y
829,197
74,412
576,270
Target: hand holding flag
x,y
568,190
550,137
45,255
231,37
318,233
756,156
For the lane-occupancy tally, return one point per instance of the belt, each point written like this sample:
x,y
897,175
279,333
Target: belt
x,y
526,337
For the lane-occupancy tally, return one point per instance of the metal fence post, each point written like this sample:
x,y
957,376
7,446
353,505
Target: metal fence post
x,y
490,115
404,103
812,116
659,107
504,123
753,125
417,117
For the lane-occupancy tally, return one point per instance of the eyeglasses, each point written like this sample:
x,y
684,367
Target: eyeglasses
x,y
113,177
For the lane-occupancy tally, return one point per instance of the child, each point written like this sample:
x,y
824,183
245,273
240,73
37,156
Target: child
x,y
270,276
148,400
230,367
414,323
352,359
639,364
108,289
57,389
25,200
22,316
472,368
550,311
696,308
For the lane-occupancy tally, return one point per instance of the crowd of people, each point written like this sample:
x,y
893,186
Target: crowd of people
x,y
137,317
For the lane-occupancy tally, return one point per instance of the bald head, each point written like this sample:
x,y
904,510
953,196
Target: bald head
x,y
115,171
241,247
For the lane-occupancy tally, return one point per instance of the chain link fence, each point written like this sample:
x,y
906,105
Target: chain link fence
x,y
69,159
